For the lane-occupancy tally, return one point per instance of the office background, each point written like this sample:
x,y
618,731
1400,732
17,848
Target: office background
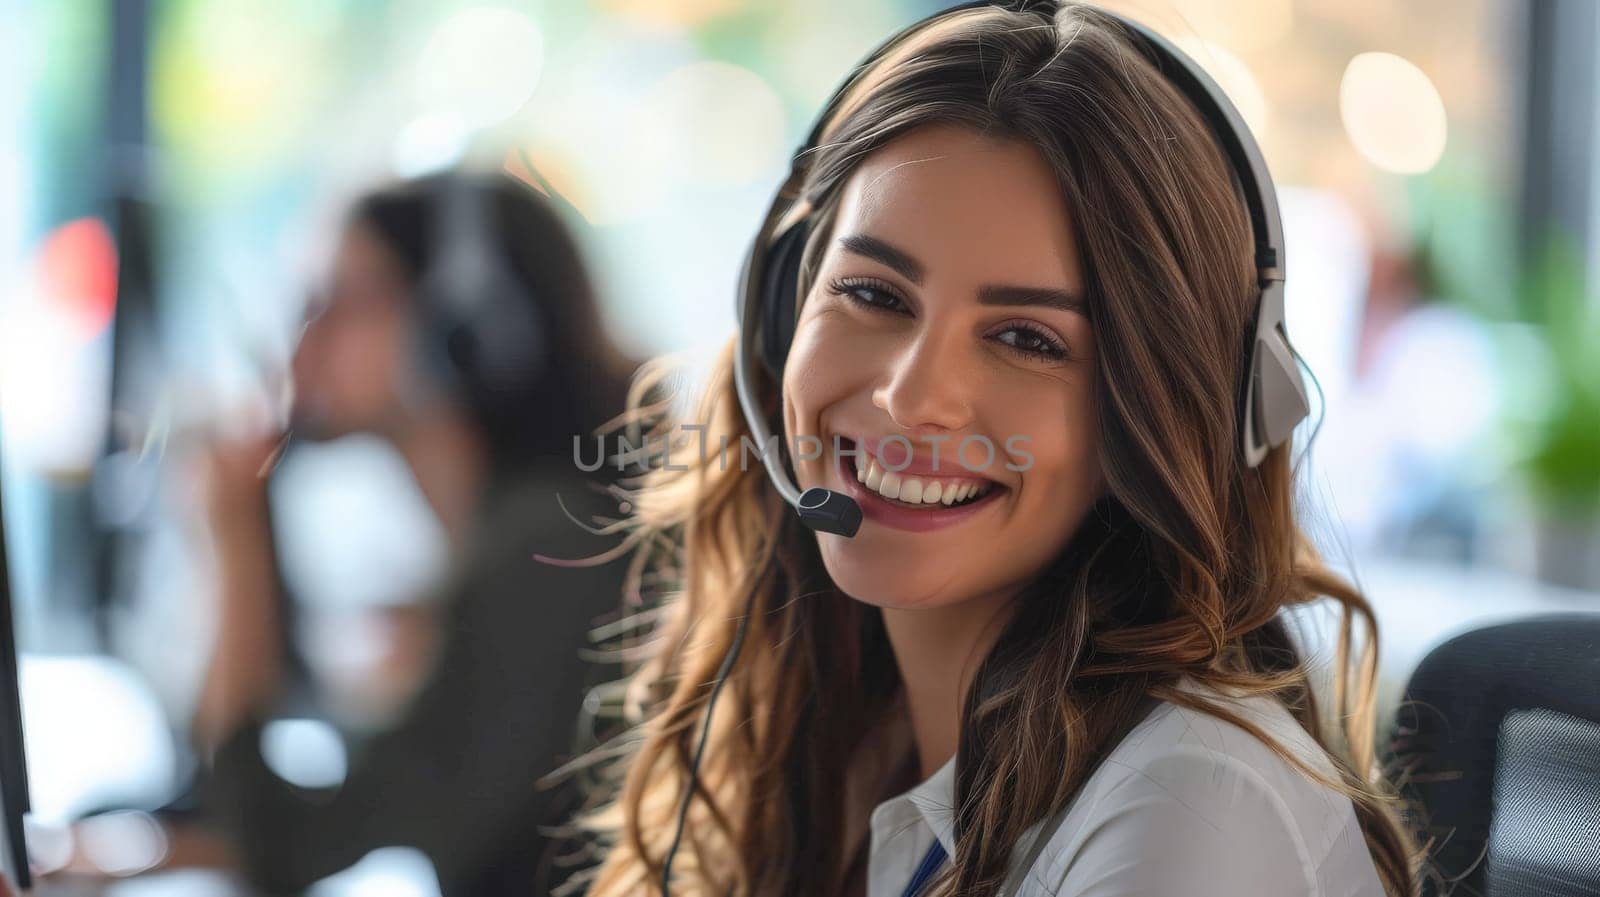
x,y
169,172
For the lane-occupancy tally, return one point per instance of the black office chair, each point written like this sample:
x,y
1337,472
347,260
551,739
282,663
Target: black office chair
x,y
1498,741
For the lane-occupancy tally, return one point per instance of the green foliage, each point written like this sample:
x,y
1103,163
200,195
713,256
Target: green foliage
x,y
1466,255
1565,462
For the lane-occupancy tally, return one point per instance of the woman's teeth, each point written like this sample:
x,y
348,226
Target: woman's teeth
x,y
918,490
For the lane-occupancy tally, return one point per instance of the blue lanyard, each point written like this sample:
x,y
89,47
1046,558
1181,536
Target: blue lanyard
x,y
931,862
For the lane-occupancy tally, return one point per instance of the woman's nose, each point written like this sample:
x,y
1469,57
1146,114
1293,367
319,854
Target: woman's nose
x,y
927,384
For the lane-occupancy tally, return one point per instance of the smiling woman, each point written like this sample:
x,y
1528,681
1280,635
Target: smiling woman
x,y
1057,668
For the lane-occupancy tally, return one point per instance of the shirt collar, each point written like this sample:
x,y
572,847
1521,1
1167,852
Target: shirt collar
x,y
935,799
932,801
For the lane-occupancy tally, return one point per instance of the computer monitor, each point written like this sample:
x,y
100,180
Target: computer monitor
x,y
13,767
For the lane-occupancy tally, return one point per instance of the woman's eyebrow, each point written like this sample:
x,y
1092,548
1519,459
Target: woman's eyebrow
x,y
989,294
880,251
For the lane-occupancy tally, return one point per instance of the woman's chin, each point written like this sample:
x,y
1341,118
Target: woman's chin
x,y
915,603
891,592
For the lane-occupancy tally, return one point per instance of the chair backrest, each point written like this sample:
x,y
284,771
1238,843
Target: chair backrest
x,y
1498,743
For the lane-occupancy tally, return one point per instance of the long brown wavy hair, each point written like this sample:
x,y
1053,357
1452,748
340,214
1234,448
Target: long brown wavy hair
x,y
1182,570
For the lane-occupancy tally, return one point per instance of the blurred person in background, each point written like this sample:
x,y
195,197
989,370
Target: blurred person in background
x,y
455,775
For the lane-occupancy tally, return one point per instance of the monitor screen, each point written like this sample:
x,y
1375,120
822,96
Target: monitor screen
x,y
13,767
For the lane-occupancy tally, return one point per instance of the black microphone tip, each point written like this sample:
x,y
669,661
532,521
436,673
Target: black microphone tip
x,y
829,512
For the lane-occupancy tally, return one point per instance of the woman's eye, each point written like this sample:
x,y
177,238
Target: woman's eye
x,y
865,292
1032,342
1027,340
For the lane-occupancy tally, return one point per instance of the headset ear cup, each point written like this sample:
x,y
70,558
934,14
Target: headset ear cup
x,y
488,321
779,282
1277,401
1280,391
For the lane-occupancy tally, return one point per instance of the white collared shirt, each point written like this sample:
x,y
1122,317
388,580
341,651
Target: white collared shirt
x,y
1188,805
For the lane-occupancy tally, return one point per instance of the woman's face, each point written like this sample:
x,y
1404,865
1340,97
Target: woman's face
x,y
946,315
352,359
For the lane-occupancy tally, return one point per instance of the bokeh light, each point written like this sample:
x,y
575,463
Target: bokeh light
x,y
480,66
1392,112
77,271
713,125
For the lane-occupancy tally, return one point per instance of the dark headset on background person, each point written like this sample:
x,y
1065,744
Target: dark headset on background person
x,y
1272,398
483,330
